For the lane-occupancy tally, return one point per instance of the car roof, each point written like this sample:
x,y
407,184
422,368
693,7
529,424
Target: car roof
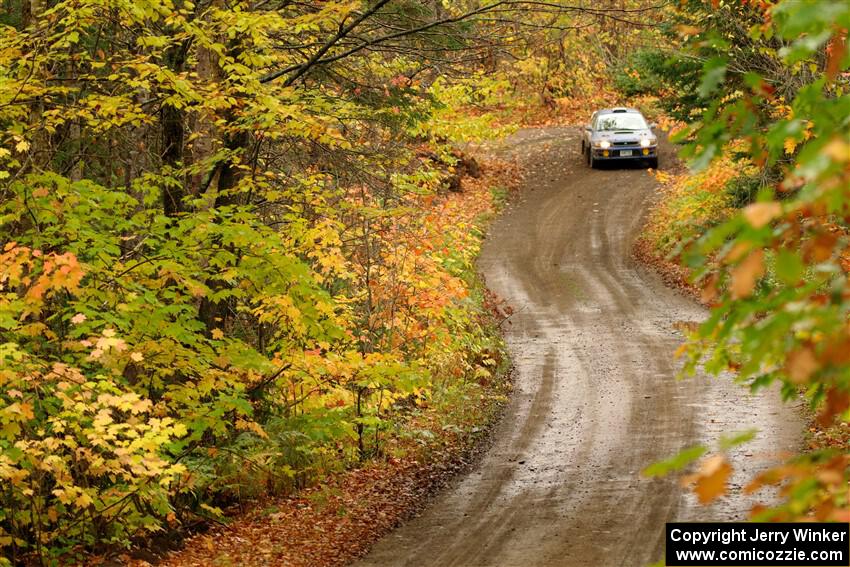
x,y
618,110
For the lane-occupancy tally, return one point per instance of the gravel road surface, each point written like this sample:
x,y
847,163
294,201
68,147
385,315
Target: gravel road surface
x,y
592,340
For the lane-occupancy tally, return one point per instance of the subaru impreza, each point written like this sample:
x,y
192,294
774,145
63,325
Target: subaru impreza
x,y
619,134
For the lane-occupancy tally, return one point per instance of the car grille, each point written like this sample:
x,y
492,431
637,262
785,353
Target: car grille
x,y
633,143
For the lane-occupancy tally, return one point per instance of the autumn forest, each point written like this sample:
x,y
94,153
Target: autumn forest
x,y
240,240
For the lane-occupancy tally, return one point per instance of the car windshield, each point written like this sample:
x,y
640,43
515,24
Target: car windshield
x,y
621,121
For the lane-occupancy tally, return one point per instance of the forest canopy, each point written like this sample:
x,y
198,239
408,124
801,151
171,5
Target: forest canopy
x,y
238,238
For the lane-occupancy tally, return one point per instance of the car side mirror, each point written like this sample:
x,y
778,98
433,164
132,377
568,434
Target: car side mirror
x,y
653,126
587,128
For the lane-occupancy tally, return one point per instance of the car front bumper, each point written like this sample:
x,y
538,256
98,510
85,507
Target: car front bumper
x,y
625,152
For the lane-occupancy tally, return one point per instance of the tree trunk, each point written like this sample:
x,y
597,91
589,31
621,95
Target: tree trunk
x,y
173,138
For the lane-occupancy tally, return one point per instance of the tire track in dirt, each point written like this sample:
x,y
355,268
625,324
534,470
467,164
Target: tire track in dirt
x,y
592,342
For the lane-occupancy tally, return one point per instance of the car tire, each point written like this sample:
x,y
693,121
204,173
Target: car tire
x,y
653,162
593,163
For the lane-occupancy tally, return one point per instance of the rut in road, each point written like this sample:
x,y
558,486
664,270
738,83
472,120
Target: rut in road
x,y
592,340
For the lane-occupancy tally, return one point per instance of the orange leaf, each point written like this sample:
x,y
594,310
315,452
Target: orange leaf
x,y
709,290
770,477
830,477
759,214
737,252
838,150
757,509
838,350
710,482
836,50
820,248
800,364
746,274
837,401
841,515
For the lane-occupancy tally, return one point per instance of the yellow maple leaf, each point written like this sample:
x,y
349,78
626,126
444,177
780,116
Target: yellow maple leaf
x,y
83,500
790,145
140,405
27,410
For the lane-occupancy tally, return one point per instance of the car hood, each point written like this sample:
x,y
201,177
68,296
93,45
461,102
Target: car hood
x,y
619,136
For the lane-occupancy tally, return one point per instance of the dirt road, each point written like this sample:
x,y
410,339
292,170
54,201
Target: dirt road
x,y
596,401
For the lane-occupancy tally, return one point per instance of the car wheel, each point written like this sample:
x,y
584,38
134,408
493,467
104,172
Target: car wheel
x,y
653,163
591,161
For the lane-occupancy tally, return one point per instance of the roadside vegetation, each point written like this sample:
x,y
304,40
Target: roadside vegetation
x,y
761,229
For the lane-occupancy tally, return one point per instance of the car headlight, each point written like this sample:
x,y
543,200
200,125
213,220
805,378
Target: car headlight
x,y
645,142
604,144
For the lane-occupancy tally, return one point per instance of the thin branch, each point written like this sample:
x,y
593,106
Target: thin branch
x,y
343,31
502,6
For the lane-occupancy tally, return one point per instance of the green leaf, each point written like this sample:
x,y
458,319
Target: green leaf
x,y
714,73
789,267
675,463
730,442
